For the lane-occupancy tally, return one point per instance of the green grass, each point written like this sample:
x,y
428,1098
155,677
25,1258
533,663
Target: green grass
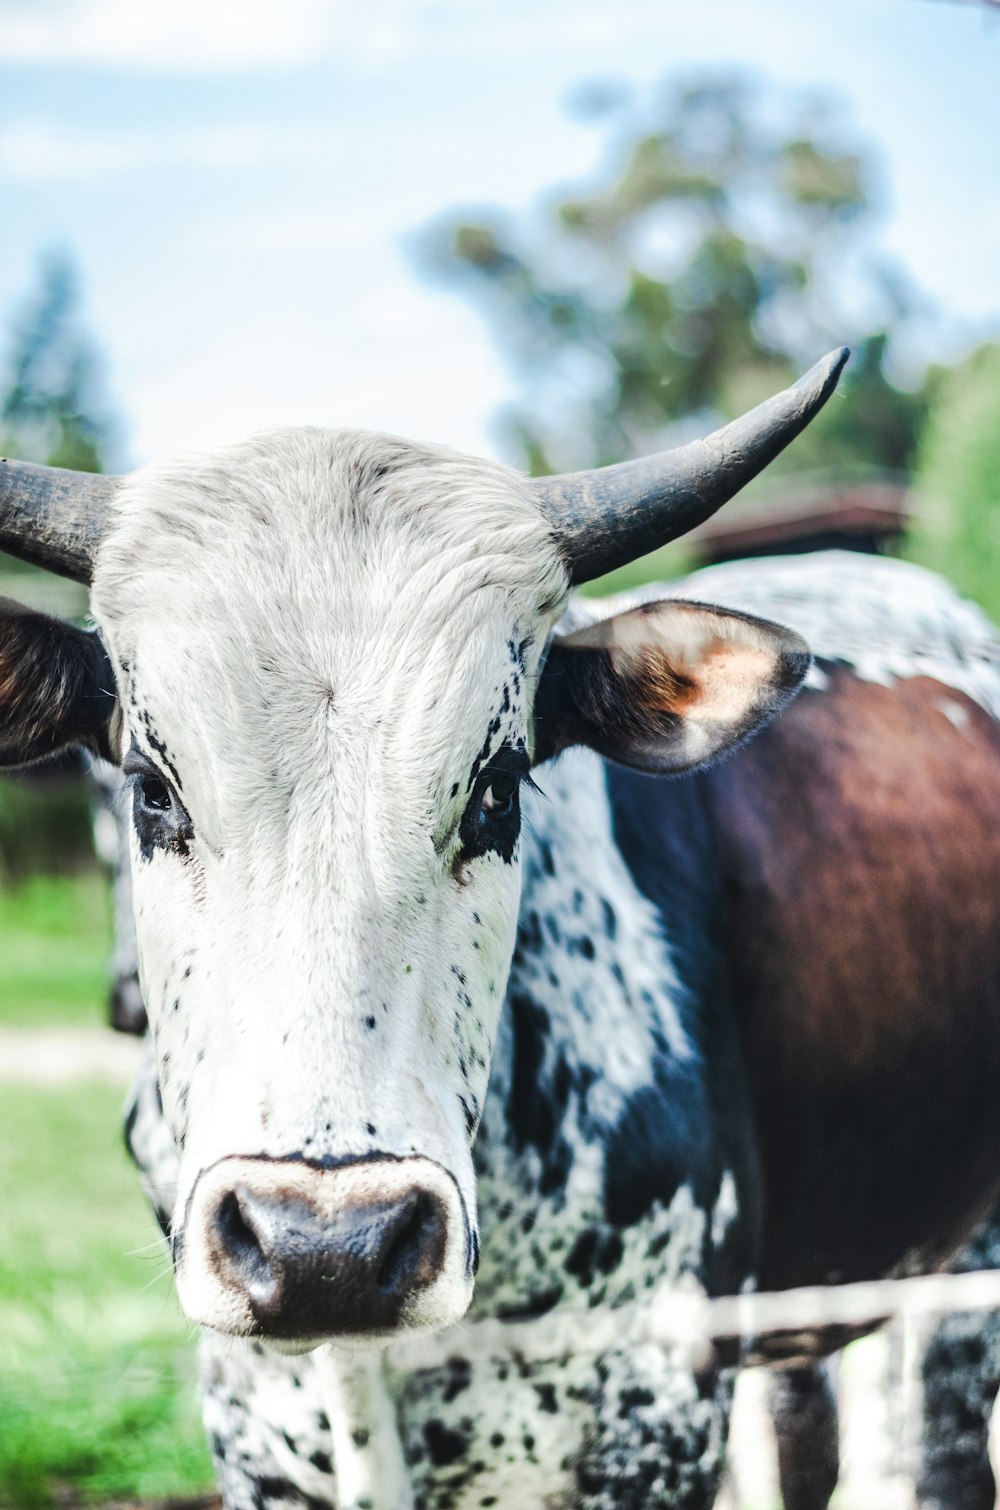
x,y
55,941
97,1366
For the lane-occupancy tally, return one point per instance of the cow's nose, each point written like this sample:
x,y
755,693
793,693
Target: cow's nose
x,y
305,1270
286,1249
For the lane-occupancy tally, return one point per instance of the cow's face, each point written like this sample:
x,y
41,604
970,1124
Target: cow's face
x,y
325,647
329,666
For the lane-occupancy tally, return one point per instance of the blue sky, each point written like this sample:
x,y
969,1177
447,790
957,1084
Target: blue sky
x,y
238,179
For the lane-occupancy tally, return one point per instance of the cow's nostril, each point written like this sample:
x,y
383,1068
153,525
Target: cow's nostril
x,y
240,1243
417,1248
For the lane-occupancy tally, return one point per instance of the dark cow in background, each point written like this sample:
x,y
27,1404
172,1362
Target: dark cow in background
x,y
749,1028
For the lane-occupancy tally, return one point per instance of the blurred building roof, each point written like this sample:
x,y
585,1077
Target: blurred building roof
x,y
862,516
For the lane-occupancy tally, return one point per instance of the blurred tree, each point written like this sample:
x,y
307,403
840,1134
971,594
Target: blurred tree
x,y
50,410
724,250
51,406
957,528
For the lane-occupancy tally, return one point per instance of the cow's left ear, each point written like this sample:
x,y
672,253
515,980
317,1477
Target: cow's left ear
x,y
666,687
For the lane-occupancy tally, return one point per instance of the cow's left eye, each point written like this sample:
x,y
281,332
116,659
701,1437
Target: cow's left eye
x,y
155,794
498,798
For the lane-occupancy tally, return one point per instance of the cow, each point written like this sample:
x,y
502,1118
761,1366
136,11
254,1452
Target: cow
x,y
402,831
959,1362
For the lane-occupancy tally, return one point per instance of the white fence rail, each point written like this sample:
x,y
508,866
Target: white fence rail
x,y
688,1322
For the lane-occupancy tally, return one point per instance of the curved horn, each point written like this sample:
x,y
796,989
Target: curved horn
x,y
54,518
608,517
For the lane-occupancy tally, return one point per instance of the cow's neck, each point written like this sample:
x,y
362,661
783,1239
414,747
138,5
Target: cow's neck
x,y
598,1090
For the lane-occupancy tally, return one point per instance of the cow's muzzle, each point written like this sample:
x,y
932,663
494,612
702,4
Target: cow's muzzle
x,y
286,1251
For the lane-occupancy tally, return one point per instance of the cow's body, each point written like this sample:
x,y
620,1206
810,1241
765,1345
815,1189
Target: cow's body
x,y
752,1034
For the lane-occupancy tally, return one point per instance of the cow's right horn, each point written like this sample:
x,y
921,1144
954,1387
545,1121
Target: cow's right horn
x,y
612,515
54,518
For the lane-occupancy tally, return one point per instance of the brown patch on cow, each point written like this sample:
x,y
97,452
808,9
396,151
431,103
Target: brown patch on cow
x,y
860,842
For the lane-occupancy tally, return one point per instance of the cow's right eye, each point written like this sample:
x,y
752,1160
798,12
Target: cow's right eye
x,y
158,814
155,794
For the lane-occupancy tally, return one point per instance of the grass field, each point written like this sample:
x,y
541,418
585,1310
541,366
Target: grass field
x,y
96,1365
55,937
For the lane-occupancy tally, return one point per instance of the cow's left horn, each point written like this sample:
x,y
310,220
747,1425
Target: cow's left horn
x,y
54,518
608,517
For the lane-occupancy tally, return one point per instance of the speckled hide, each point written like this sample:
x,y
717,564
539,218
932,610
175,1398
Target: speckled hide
x,y
642,1097
599,1171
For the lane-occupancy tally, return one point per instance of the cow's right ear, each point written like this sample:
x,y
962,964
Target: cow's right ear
x,y
57,688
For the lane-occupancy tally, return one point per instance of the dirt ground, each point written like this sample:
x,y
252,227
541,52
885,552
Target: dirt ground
x,y
61,1056
67,1498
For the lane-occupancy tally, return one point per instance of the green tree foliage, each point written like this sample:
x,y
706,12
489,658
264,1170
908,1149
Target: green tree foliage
x,y
51,410
723,247
957,527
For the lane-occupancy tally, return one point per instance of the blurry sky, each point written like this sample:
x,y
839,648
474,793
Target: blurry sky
x,y
237,179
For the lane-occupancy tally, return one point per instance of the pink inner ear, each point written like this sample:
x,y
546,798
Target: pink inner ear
x,y
688,660
729,680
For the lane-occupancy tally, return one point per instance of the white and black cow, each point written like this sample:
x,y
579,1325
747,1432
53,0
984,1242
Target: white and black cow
x,y
333,666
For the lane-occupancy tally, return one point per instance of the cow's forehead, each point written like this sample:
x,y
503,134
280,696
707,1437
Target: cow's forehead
x,y
310,513
314,590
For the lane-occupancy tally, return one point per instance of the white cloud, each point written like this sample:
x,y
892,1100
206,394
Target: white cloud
x,y
231,36
167,35
211,36
40,151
